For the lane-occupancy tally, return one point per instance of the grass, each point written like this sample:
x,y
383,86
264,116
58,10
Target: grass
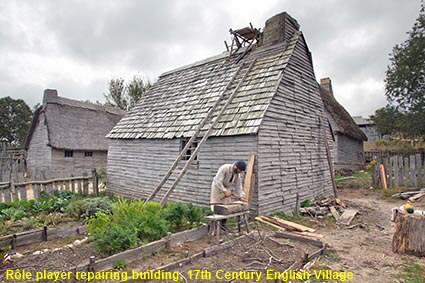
x,y
360,179
412,272
394,145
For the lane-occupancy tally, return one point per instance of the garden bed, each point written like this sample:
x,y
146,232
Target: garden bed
x,y
83,257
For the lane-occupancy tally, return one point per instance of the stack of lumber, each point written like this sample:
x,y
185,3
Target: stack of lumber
x,y
285,225
334,206
411,195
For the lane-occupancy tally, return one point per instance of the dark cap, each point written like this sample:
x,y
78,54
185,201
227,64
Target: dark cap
x,y
241,165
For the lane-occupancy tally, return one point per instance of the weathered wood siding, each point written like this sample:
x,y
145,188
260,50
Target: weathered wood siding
x,y
332,137
346,151
78,164
291,150
350,153
39,154
136,166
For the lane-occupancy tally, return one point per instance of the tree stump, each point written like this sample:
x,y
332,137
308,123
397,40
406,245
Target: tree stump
x,y
409,234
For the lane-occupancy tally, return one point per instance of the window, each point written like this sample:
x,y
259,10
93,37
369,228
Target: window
x,y
190,150
88,154
69,153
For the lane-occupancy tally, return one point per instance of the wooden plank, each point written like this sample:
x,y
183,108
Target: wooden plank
x,y
23,192
248,178
396,174
417,197
291,236
413,178
383,176
230,208
308,234
406,171
335,213
400,170
294,226
6,195
348,216
419,168
390,173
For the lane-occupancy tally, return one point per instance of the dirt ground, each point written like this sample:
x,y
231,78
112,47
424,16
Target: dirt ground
x,y
365,249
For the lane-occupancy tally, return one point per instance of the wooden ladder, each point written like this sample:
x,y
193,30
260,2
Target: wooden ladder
x,y
195,135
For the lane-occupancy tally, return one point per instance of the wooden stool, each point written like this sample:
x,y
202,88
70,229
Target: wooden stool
x,y
214,223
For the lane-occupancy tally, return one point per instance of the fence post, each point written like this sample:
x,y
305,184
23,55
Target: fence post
x,y
419,166
413,171
85,184
95,185
72,184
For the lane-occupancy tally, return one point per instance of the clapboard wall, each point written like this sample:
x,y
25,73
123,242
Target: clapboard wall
x,y
350,153
39,154
78,164
136,166
291,149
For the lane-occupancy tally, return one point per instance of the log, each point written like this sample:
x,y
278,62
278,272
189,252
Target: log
x,y
408,236
226,209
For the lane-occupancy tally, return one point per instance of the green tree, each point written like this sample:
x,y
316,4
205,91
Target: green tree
x,y
125,96
405,76
405,86
135,89
15,117
116,96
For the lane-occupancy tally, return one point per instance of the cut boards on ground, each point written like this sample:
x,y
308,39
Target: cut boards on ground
x,y
293,227
348,216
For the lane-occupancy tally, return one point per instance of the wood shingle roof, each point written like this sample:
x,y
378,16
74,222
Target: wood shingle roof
x,y
180,99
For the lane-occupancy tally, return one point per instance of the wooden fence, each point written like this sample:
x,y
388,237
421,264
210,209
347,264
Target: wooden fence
x,y
12,163
401,171
375,154
31,190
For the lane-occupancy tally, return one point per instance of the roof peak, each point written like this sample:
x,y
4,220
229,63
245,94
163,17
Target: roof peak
x,y
51,96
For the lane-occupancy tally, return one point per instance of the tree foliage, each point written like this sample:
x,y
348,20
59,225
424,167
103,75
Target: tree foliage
x,y
125,96
405,86
15,117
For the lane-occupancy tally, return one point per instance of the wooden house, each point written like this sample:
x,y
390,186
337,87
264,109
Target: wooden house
x,y
347,138
264,100
68,137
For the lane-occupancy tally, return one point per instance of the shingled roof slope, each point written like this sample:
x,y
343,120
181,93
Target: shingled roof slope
x,y
180,99
342,118
76,125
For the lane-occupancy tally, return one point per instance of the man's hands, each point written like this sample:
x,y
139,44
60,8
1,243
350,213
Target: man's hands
x,y
243,199
227,194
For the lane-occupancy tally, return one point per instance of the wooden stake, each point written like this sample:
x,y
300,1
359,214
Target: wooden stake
x,y
248,178
383,176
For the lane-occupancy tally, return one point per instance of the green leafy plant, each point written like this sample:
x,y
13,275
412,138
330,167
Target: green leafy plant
x,y
120,264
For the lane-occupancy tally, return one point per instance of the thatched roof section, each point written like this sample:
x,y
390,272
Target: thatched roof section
x,y
342,118
75,125
180,99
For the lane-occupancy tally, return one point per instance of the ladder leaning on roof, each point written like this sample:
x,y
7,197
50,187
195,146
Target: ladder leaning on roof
x,y
197,131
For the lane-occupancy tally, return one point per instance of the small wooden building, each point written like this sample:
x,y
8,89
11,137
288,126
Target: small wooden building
x,y
68,137
274,110
347,146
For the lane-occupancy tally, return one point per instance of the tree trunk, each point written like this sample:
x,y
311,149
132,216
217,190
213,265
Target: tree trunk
x,y
409,234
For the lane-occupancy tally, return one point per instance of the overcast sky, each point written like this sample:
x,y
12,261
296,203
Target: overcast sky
x,y
77,46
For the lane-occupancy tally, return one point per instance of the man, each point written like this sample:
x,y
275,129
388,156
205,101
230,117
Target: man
x,y
227,175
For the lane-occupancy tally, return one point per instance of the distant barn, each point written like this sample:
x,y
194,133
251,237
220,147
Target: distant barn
x,y
68,137
276,113
347,146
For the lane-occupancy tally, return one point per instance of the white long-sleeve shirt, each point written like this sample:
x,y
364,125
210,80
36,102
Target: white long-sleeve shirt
x,y
223,180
